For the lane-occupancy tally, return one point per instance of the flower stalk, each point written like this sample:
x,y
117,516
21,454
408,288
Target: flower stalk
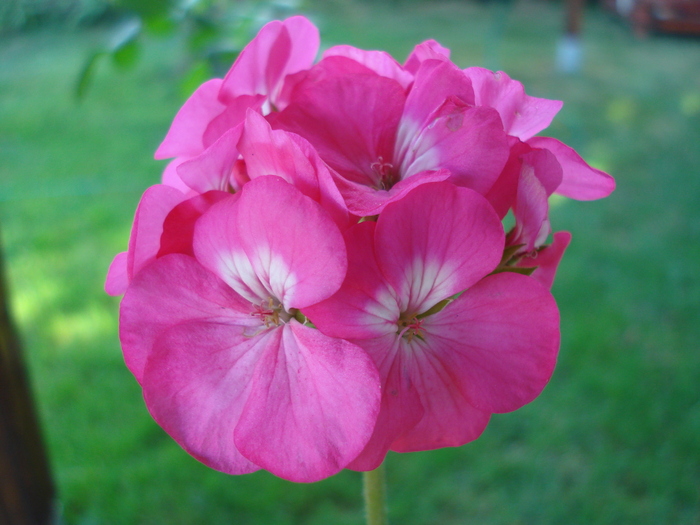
x,y
374,482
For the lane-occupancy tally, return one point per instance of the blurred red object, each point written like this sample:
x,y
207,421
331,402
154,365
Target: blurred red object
x,y
659,16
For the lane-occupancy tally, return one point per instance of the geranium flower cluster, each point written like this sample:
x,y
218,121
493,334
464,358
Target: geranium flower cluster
x,y
323,275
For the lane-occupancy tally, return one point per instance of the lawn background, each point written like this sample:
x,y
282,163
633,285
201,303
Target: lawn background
x,y
614,438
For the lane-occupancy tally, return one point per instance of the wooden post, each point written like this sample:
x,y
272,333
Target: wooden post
x,y
26,488
569,50
574,17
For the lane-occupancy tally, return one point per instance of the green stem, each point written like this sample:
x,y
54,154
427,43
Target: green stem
x,y
375,496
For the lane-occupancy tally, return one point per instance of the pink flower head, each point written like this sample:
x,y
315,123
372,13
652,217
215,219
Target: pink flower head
x,y
452,343
270,329
219,345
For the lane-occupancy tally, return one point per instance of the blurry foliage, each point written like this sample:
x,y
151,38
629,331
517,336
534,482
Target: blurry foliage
x,y
16,15
213,33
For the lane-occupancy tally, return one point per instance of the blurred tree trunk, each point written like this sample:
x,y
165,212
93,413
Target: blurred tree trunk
x,y
26,487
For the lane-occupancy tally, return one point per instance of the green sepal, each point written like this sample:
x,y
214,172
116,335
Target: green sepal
x,y
509,252
515,269
435,308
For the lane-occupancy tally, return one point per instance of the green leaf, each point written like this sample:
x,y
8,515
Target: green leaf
x,y
147,9
203,33
199,73
127,55
87,73
161,26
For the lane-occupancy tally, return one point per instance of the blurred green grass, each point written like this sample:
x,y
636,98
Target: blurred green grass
x,y
614,438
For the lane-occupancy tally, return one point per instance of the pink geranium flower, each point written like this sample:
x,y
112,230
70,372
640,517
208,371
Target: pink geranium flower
x,y
219,344
323,275
383,138
453,344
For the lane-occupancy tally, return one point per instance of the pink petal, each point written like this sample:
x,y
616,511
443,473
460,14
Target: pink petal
x,y
498,342
273,242
449,420
232,116
547,259
292,158
440,129
546,168
435,82
580,181
196,383
523,116
185,136
541,162
144,242
171,178
212,169
435,242
504,191
467,141
312,405
117,277
178,227
430,49
279,49
531,208
401,408
380,62
349,114
305,43
365,306
173,289
328,68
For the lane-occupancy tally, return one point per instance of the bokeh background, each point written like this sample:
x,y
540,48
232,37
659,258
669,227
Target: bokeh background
x,y
614,438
